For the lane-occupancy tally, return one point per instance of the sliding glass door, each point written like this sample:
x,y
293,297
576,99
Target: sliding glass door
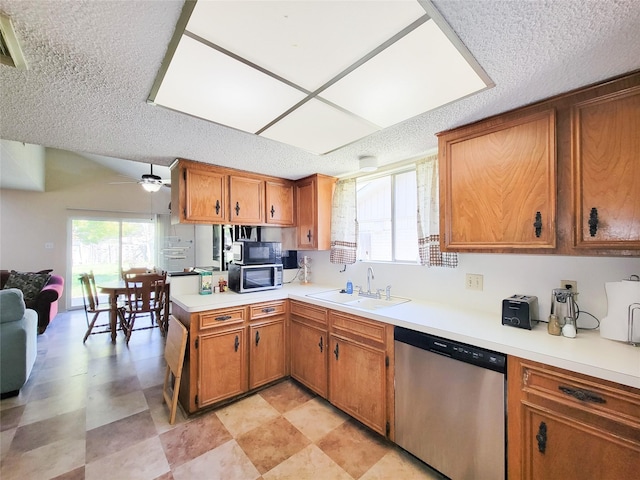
x,y
107,246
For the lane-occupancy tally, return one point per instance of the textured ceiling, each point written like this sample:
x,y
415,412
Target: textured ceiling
x,y
92,65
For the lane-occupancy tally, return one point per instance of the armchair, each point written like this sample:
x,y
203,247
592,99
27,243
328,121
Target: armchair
x,y
18,341
45,303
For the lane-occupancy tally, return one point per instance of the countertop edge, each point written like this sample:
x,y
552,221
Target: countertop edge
x,y
588,353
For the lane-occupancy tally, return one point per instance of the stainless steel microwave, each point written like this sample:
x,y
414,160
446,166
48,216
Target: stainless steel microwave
x,y
248,252
254,278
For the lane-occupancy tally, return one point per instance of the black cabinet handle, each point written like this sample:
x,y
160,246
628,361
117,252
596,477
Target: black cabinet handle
x,y
237,209
217,207
309,235
541,437
222,318
268,310
538,224
257,337
582,395
593,222
236,344
273,211
336,352
321,345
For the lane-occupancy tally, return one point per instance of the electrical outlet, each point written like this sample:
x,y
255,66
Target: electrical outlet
x,y
473,281
570,285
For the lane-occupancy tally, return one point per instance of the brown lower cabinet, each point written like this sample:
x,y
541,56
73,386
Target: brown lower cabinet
x,y
224,353
344,358
570,426
232,351
359,369
309,346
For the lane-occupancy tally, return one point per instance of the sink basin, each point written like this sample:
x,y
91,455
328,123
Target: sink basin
x,y
356,301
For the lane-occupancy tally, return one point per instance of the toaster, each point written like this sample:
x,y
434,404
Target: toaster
x,y
520,311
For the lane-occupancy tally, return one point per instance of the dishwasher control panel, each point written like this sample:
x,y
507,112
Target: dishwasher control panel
x,y
449,348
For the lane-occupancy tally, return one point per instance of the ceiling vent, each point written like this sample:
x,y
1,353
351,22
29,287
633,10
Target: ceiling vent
x,y
10,51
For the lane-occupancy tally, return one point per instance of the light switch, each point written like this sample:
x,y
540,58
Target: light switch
x,y
48,245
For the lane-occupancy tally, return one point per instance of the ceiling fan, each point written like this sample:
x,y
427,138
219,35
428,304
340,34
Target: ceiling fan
x,y
150,182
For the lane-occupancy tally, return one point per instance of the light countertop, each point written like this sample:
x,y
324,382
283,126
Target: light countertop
x,y
588,353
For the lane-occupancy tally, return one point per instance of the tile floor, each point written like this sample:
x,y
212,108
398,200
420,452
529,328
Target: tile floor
x,y
95,411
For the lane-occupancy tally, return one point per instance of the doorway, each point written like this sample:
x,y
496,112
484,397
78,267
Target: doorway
x,y
107,246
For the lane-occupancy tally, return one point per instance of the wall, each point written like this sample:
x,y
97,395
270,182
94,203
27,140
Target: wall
x,y
29,220
504,275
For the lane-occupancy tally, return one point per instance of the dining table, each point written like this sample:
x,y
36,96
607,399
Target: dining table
x,y
116,288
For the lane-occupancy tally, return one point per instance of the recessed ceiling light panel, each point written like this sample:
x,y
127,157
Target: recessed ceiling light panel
x,y
208,84
306,42
418,73
319,128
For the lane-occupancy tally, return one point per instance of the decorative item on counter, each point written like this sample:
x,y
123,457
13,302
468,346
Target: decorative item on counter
x,y
205,282
622,322
554,327
569,329
305,270
222,284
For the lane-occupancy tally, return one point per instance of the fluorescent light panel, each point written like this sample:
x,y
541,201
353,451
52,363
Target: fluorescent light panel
x,y
319,128
306,42
283,54
208,84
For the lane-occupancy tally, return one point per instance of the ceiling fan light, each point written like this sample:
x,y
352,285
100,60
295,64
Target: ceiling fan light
x,y
151,187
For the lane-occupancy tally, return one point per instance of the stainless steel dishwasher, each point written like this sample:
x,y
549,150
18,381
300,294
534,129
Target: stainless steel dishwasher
x,y
450,405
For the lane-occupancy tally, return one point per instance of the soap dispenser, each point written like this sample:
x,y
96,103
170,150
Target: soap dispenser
x,y
349,288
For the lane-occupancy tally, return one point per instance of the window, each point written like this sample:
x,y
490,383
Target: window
x,y
387,221
106,246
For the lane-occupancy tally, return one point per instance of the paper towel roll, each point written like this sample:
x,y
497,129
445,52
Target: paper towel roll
x,y
615,325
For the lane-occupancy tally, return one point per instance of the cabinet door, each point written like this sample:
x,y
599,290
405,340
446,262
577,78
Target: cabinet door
x,y
222,365
279,203
606,161
309,356
560,447
205,196
498,185
357,381
306,213
266,352
247,200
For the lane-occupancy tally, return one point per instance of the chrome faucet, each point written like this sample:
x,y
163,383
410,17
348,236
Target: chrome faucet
x,y
369,277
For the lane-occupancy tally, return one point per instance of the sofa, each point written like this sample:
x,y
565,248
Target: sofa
x,y
41,292
18,341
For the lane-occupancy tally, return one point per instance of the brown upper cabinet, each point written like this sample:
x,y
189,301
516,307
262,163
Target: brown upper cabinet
x,y
280,203
313,198
498,184
200,196
203,193
246,200
561,176
606,162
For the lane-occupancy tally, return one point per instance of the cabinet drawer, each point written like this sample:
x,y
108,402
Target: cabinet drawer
x,y
305,310
223,317
611,401
350,326
270,309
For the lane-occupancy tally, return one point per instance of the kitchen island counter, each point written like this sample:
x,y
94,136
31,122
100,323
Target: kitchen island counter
x,y
588,353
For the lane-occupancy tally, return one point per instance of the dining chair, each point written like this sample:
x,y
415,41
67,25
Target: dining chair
x,y
174,352
145,296
134,270
92,306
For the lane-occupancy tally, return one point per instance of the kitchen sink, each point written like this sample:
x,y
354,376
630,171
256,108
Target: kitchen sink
x,y
357,301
